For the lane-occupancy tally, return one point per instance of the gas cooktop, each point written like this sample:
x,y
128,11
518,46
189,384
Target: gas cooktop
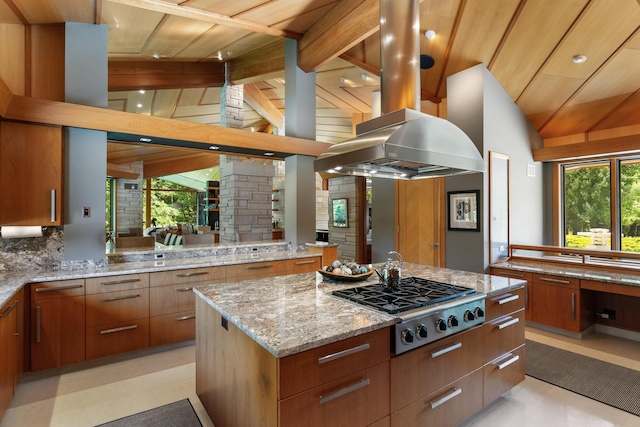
x,y
413,293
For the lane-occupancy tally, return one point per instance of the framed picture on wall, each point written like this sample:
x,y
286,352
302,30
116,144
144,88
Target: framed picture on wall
x,y
463,210
340,211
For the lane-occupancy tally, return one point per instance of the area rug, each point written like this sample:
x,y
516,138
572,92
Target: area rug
x,y
605,382
176,414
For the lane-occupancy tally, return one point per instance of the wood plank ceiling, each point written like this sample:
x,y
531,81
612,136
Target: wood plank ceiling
x,y
176,50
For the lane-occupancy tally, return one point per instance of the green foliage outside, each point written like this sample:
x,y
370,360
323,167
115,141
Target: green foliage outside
x,y
173,205
629,244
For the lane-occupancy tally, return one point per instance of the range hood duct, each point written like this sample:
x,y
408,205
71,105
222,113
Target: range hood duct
x,y
402,143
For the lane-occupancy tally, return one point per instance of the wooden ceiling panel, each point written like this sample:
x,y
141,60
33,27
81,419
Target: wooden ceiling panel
x,y
196,110
547,93
164,102
222,7
55,11
300,24
129,28
8,15
173,34
276,12
213,43
211,96
626,114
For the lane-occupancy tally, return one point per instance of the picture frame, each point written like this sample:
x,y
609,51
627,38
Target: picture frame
x,y
464,214
340,211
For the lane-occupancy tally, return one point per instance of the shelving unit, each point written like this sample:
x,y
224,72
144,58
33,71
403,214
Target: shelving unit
x,y
212,200
275,201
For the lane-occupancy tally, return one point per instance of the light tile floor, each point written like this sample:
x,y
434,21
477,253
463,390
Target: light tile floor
x,y
96,392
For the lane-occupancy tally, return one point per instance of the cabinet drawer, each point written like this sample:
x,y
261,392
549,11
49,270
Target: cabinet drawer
x,y
192,275
117,338
504,303
514,274
310,368
172,328
503,334
565,282
171,299
503,373
256,269
112,307
96,285
428,368
58,289
355,400
448,406
304,265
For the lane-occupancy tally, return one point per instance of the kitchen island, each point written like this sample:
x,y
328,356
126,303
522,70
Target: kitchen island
x,y
281,351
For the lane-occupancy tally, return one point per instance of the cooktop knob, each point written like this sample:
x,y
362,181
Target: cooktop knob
x,y
469,316
421,331
407,336
441,325
453,321
478,312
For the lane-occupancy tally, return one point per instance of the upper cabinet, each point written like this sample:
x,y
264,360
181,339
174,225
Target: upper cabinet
x,y
31,174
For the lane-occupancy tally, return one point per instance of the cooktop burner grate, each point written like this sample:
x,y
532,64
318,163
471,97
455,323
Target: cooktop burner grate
x,y
413,293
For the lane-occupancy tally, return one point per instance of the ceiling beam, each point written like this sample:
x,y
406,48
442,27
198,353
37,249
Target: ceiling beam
x,y
85,117
114,172
175,166
263,105
5,97
201,15
259,65
584,150
344,26
136,75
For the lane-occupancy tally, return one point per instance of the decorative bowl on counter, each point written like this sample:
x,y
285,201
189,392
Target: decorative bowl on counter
x,y
346,277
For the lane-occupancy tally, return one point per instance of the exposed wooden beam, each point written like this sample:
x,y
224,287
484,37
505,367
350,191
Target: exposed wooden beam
x,y
174,166
114,172
259,65
201,15
358,63
583,150
135,75
263,105
347,24
5,97
80,116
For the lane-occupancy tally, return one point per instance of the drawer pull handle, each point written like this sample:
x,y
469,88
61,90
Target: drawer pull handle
x,y
124,328
195,273
435,354
509,299
445,398
511,274
53,205
121,297
343,353
120,282
185,289
508,362
550,279
346,390
513,321
573,306
313,261
259,267
190,316
38,324
58,288
8,310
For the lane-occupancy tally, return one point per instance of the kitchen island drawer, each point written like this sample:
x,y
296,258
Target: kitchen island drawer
x,y
446,407
171,299
562,281
503,373
304,265
316,366
57,289
96,285
504,303
112,307
256,269
191,275
502,335
115,338
172,328
355,400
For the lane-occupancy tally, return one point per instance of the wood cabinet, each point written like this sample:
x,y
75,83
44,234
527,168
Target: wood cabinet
x,y
172,308
522,275
117,313
557,302
503,343
9,326
31,174
304,265
256,269
57,323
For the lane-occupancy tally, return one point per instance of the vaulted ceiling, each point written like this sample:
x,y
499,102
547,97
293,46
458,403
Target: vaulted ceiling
x,y
176,51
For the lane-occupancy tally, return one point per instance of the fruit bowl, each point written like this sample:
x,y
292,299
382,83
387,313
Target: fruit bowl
x,y
346,277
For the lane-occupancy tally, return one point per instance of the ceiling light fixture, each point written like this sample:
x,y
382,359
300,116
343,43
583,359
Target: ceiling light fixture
x,y
430,34
139,105
214,147
141,91
364,76
579,59
145,139
269,153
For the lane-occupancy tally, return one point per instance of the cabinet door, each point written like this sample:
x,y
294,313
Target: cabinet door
x,y
556,306
31,168
7,353
503,272
57,332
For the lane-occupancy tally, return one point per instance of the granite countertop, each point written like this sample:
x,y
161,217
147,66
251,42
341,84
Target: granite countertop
x,y
294,313
580,272
11,282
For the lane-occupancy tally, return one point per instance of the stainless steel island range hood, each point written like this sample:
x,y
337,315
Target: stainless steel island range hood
x,y
402,143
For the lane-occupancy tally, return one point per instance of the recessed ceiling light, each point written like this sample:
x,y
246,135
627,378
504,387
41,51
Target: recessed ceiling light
x,y
139,105
141,91
579,59
430,34
145,139
214,147
269,153
338,168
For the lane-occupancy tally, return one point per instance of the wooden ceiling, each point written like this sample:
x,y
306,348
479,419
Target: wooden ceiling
x,y
176,50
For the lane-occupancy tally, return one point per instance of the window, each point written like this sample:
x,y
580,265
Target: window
x,y
601,204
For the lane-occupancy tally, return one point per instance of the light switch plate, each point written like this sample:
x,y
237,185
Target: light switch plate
x,y
86,212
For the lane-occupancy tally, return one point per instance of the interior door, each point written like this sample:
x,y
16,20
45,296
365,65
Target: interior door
x,y
420,215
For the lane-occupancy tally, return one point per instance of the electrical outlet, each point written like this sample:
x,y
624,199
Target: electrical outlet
x,y
610,313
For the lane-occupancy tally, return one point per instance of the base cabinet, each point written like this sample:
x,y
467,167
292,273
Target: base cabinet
x,y
8,343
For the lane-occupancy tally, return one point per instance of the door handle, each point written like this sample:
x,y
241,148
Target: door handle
x,y
435,245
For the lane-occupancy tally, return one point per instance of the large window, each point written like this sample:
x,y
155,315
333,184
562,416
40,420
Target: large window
x,y
601,204
172,203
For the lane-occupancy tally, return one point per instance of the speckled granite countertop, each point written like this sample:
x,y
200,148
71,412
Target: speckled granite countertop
x,y
11,282
290,314
581,272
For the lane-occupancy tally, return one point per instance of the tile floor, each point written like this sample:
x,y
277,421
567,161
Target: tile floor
x,y
96,392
